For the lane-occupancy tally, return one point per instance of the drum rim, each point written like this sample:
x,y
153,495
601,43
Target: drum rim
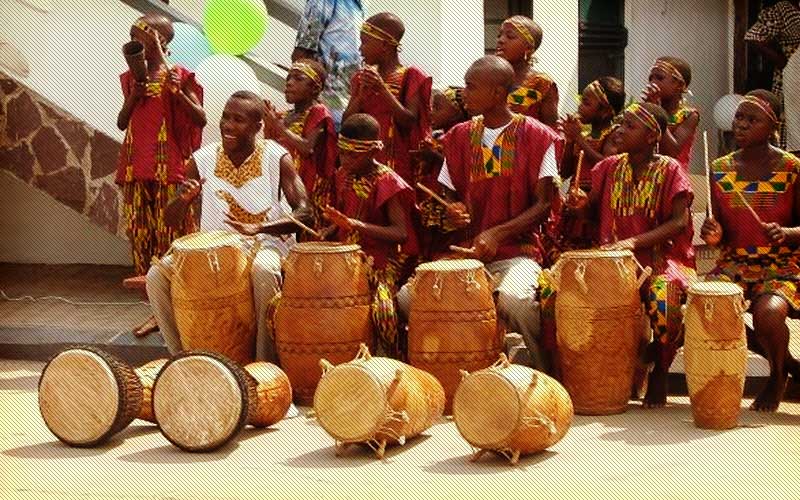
x,y
469,265
699,288
595,253
497,374
238,375
235,241
317,247
122,394
371,377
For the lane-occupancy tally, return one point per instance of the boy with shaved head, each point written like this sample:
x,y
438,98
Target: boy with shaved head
x,y
502,168
398,97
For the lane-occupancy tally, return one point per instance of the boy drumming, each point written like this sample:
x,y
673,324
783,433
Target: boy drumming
x,y
756,200
374,208
238,184
502,167
641,203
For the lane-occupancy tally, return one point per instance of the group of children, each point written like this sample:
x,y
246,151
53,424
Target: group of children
x,y
416,174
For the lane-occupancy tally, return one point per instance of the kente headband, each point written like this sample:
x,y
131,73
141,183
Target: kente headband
x,y
646,117
762,105
669,69
309,71
375,32
522,30
455,95
596,89
358,146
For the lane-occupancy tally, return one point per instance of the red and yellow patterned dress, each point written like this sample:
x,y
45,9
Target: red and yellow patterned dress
x,y
748,257
159,140
527,98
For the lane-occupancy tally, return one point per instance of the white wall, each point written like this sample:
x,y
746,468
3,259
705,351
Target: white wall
x,y
35,228
692,30
558,55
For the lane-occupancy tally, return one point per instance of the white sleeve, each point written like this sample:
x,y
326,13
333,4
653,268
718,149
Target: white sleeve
x,y
549,166
444,177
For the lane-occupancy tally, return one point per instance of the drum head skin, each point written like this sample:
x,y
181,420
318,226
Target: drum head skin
x,y
451,265
350,404
486,410
716,288
199,402
316,247
207,239
79,397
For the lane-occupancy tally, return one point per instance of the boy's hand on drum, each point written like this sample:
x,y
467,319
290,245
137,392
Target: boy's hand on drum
x,y
627,244
175,82
711,232
458,215
327,232
190,188
338,218
244,228
774,232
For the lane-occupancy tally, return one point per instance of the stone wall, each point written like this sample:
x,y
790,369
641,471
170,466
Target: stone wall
x,y
53,151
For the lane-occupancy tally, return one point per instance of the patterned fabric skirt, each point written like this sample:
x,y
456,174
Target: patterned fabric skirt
x,y
321,195
145,203
385,284
764,271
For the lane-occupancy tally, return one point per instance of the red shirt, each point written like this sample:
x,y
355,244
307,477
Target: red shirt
x,y
160,136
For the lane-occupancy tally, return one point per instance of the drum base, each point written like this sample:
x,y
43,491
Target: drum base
x,y
717,405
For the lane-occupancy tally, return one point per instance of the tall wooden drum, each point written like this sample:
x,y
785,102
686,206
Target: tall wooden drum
x,y
511,409
212,294
87,395
715,353
453,321
376,401
598,321
324,311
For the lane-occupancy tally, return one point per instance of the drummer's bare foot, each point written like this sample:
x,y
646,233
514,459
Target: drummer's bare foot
x,y
146,328
656,396
770,397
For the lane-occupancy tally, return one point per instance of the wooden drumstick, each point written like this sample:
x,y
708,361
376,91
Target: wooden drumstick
x,y
708,176
576,182
459,249
752,211
432,194
303,226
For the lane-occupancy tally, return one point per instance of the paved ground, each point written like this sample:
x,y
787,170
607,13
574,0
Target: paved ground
x,y
641,454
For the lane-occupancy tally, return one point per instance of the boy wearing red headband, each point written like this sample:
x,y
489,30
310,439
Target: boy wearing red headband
x,y
669,81
308,133
398,97
641,200
374,208
534,94
756,199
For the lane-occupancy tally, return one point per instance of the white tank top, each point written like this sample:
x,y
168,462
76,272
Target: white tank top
x,y
254,195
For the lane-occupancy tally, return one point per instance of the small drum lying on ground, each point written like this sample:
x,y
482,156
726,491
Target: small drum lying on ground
x,y
324,311
715,353
212,294
376,401
511,409
147,376
202,400
87,395
452,323
598,325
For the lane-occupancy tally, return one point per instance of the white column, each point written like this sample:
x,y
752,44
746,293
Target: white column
x,y
558,55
